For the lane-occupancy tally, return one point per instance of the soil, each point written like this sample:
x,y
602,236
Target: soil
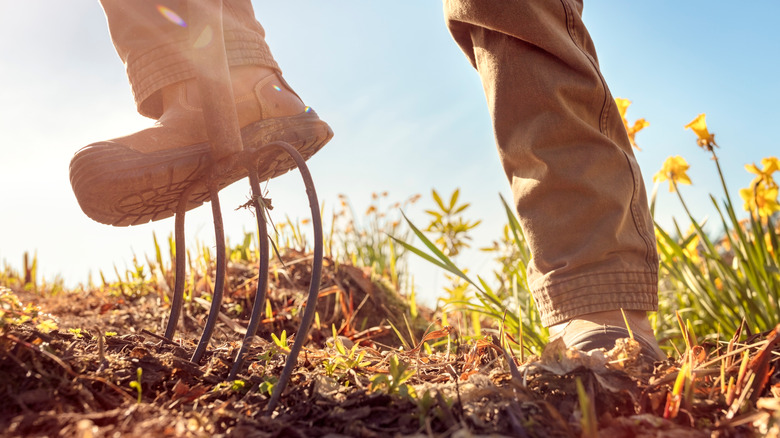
x,y
78,380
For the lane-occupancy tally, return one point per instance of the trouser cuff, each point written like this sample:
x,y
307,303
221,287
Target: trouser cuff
x,y
565,299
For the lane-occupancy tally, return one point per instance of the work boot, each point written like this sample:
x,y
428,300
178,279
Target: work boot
x,y
140,177
601,330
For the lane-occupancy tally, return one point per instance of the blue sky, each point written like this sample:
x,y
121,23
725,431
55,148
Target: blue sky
x,y
407,109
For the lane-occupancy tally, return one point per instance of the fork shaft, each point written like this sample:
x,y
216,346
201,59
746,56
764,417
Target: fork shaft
x,y
213,77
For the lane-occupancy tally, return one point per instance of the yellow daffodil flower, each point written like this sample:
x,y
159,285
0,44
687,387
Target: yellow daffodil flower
x,y
699,127
662,246
771,165
674,170
762,199
725,243
622,105
638,126
691,250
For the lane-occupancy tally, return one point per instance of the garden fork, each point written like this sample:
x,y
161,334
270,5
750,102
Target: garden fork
x,y
228,153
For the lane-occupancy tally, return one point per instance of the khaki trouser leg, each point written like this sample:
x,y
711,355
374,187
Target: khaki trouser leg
x,y
154,45
576,183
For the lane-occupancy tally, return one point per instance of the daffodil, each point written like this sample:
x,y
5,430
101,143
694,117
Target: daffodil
x,y
764,176
768,242
699,127
760,198
674,170
662,246
622,105
691,249
725,244
638,126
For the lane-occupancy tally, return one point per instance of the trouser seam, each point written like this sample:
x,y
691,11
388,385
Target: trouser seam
x,y
604,116
603,128
635,216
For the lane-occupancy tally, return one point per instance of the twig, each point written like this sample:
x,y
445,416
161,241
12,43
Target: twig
x,y
158,337
101,350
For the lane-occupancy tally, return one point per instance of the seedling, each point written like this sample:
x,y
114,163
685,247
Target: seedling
x,y
589,420
238,386
136,384
281,341
394,381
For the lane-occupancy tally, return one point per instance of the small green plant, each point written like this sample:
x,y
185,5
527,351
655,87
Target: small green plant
x,y
449,225
291,234
267,355
424,404
246,251
267,387
238,386
136,384
344,360
365,241
510,304
164,272
588,421
330,367
14,313
281,341
136,281
27,278
394,381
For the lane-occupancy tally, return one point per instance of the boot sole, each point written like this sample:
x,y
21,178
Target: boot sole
x,y
119,186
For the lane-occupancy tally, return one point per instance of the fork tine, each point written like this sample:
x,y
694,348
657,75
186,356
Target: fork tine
x,y
219,283
262,281
316,273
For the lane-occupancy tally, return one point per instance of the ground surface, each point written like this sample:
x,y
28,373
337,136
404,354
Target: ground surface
x,y
77,380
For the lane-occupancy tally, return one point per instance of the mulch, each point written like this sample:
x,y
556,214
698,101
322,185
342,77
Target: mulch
x,y
76,381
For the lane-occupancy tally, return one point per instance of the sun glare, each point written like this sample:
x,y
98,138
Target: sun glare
x,y
173,17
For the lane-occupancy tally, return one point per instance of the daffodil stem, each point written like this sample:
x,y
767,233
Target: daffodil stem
x,y
722,180
682,201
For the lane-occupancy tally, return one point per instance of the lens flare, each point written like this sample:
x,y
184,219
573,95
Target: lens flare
x,y
171,16
204,39
276,87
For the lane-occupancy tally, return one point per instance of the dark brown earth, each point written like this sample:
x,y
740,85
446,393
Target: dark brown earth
x,y
76,380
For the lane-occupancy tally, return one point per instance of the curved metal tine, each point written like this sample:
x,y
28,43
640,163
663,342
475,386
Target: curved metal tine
x,y
262,281
181,264
219,283
316,272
